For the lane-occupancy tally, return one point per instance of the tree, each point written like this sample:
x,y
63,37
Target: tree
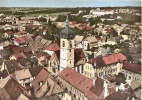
x,y
49,22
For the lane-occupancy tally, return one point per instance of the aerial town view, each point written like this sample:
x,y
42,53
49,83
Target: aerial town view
x,y
70,50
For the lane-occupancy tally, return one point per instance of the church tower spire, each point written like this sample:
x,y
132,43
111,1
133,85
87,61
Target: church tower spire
x,y
66,47
67,21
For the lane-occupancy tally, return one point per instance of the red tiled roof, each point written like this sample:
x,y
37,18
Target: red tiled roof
x,y
11,90
74,22
17,49
26,48
20,40
78,55
132,67
23,39
40,54
111,90
3,73
87,27
19,55
22,32
79,81
119,95
41,77
98,38
53,47
98,88
9,32
109,59
35,70
29,54
11,46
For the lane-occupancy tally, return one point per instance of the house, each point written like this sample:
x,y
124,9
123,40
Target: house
x,y
78,40
120,95
80,87
52,97
8,34
43,58
132,71
23,62
40,79
33,61
35,70
24,77
10,65
102,52
54,62
49,88
22,33
36,45
13,91
3,74
45,43
6,53
108,40
136,86
17,55
90,42
4,44
52,48
29,54
22,40
79,60
100,66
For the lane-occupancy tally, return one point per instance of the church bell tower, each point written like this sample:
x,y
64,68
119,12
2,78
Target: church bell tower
x,y
66,47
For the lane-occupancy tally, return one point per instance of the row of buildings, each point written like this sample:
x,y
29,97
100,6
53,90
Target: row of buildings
x,y
33,68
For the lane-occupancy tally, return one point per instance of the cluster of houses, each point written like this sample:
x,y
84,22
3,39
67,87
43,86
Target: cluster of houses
x,y
37,69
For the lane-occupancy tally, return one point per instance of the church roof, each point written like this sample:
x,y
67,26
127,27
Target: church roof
x,y
67,33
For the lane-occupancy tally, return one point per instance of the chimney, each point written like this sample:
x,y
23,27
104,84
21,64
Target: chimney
x,y
40,83
94,80
106,89
122,86
95,63
133,98
116,89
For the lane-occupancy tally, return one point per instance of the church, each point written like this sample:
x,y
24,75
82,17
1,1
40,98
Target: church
x,y
68,55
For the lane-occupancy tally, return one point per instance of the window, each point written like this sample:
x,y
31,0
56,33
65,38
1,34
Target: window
x,y
90,74
74,96
54,70
135,78
70,50
70,44
70,62
63,43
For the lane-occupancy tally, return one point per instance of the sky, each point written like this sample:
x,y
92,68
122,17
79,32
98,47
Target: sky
x,y
69,3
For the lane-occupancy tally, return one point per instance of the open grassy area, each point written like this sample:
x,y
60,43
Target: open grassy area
x,y
49,14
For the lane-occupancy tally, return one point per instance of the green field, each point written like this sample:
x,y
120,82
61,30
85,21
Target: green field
x,y
49,14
